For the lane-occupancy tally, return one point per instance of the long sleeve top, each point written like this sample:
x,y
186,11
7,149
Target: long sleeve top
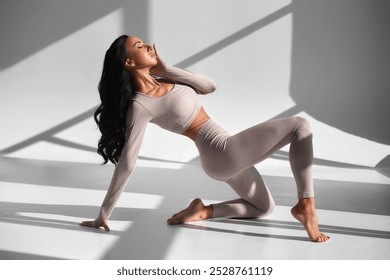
x,y
174,111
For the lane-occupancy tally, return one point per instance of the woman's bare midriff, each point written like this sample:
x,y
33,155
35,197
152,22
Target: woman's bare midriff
x,y
197,124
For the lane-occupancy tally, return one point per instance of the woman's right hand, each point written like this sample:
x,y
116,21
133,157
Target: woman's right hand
x,y
94,224
160,68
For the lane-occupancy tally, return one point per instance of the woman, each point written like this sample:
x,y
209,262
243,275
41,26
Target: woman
x,y
137,87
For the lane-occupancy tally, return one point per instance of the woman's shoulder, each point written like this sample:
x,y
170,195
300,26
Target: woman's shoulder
x,y
138,110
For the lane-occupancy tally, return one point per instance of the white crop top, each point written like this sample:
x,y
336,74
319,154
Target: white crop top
x,y
174,111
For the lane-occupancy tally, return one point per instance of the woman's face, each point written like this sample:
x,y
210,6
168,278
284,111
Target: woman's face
x,y
139,54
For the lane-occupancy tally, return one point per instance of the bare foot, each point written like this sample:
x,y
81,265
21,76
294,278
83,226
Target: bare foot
x,y
196,211
305,213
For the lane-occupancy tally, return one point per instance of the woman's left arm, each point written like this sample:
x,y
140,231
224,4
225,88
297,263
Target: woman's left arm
x,y
200,83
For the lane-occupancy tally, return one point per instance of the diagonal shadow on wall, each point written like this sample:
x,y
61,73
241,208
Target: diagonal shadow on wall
x,y
341,64
48,135
26,26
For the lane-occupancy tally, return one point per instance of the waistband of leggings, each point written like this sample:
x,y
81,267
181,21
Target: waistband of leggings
x,y
203,131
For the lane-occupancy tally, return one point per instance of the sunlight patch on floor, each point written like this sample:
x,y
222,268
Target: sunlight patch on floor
x,y
48,237
47,195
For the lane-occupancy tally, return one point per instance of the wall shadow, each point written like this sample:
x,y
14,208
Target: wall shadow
x,y
341,64
26,26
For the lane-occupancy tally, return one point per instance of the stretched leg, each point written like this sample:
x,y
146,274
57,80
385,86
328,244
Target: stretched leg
x,y
270,137
257,143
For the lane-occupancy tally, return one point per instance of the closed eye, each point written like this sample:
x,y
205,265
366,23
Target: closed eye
x,y
139,44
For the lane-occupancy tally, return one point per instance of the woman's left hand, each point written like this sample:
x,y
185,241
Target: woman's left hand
x,y
93,224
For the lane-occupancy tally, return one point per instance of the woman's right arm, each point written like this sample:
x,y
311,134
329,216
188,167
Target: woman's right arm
x,y
199,82
137,120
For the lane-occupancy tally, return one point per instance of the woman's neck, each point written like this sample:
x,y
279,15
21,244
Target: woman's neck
x,y
144,82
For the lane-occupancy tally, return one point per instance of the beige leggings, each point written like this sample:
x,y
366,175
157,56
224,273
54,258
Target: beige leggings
x,y
230,158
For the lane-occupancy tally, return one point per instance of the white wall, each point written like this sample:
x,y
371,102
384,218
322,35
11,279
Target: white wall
x,y
341,64
261,54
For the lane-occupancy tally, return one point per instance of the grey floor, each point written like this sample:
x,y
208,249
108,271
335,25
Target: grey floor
x,y
42,202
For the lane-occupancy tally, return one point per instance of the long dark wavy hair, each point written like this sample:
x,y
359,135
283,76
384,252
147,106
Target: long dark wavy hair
x,y
116,90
